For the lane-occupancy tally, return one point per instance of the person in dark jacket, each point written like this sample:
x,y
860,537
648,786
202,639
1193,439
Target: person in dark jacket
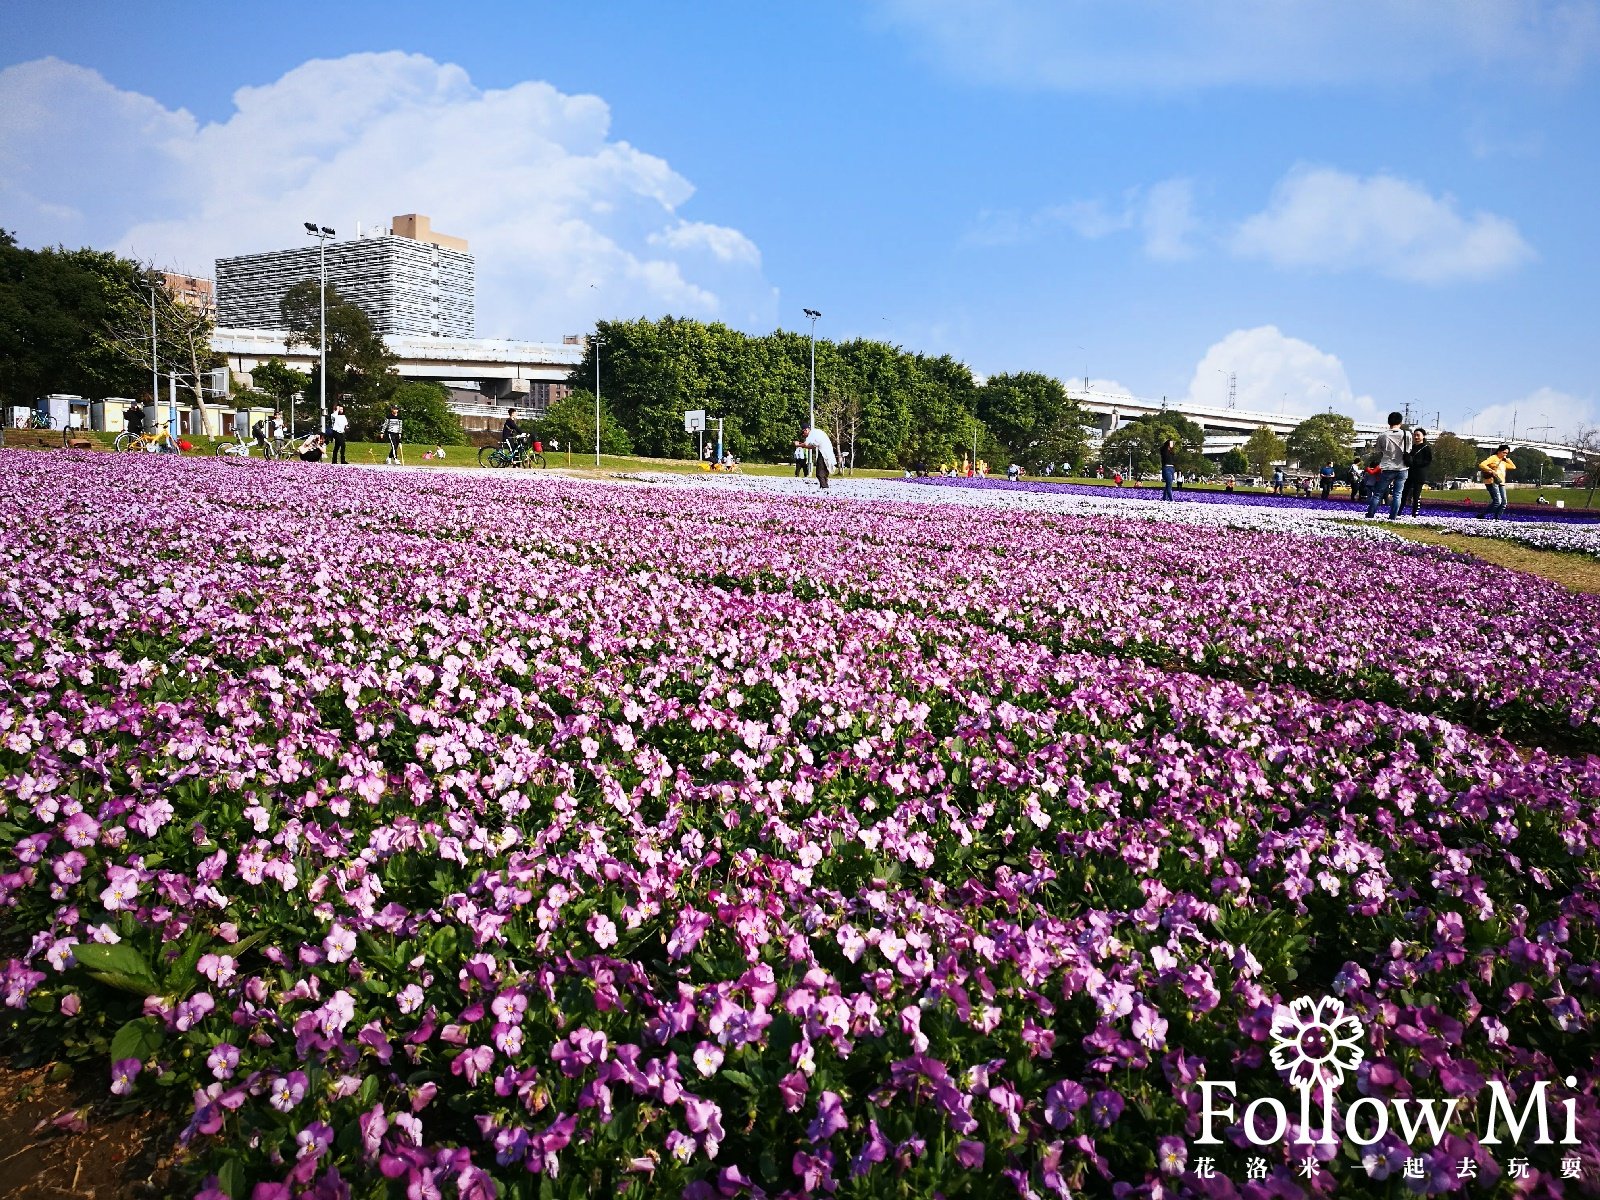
x,y
1169,467
1418,459
392,429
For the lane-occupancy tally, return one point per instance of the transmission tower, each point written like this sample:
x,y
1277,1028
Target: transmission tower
x,y
1233,387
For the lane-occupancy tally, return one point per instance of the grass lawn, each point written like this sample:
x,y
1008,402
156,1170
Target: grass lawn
x,y
1578,572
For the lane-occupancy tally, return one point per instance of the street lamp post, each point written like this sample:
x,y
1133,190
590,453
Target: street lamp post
x,y
811,422
322,233
598,342
155,355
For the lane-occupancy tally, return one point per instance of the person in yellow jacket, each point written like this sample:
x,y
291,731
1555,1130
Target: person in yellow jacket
x,y
1494,470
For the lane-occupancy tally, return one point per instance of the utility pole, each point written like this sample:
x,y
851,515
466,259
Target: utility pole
x,y
598,342
155,355
322,233
811,419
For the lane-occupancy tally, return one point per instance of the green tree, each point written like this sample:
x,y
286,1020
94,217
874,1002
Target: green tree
x,y
56,307
570,422
282,382
1032,419
1131,449
1586,453
1234,462
359,364
1139,442
1534,466
1063,442
1453,458
426,414
1264,449
1323,438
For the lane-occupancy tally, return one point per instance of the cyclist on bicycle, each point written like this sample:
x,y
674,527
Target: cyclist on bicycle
x,y
511,431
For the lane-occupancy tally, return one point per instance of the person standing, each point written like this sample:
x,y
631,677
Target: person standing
x,y
1418,462
1388,454
1358,476
392,429
802,463
1494,470
816,439
1169,466
1328,475
339,424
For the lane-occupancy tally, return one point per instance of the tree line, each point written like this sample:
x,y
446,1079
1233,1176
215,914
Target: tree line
x,y
883,406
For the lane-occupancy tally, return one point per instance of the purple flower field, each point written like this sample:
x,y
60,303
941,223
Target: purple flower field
x,y
421,834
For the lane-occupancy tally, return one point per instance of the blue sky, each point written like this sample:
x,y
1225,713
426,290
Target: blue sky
x,y
1362,205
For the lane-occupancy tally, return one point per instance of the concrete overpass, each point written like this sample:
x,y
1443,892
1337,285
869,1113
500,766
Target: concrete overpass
x,y
503,370
1227,428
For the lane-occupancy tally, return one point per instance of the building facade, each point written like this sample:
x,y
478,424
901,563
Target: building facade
x,y
408,280
198,294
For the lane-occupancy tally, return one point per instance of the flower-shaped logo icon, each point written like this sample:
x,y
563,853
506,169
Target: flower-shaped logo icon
x,y
1315,1041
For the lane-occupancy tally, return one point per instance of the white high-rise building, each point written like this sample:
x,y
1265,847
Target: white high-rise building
x,y
407,279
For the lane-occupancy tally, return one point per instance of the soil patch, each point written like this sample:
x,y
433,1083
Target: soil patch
x,y
55,1141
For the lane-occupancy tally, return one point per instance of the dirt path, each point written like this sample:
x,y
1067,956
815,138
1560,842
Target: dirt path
x,y
54,1143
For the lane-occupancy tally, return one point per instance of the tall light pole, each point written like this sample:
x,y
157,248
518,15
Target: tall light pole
x,y
598,342
811,421
322,233
155,355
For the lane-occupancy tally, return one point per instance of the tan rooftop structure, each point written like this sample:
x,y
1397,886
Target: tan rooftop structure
x,y
420,229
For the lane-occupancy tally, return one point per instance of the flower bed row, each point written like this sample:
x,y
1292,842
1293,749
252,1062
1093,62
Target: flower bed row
x,y
545,839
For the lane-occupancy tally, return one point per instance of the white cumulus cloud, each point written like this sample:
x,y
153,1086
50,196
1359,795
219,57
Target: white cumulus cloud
x,y
567,223
1277,373
1174,45
1321,218
1543,415
1163,213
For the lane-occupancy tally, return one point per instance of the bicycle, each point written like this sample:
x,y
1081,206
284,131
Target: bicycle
x,y
41,420
240,447
516,453
160,441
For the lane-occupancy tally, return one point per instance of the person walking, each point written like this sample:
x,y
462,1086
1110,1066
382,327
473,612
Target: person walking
x,y
816,439
1417,464
1329,475
392,428
339,425
1169,466
1388,454
1494,470
802,462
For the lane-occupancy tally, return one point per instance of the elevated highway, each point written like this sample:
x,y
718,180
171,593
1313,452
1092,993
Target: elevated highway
x,y
503,369
1227,428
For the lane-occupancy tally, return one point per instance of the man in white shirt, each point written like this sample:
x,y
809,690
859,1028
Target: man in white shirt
x,y
339,423
827,462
